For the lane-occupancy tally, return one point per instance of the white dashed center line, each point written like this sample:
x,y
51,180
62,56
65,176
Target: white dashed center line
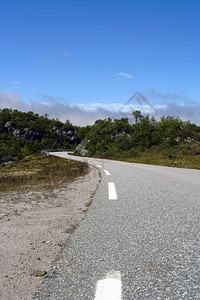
x,y
107,173
109,288
112,193
99,166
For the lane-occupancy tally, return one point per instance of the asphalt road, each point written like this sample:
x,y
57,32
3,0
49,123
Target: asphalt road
x,y
139,239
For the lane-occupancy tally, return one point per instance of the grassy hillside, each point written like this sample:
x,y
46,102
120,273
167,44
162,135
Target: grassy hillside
x,y
172,157
168,141
41,171
22,134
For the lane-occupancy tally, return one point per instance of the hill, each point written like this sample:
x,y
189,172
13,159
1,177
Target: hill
x,y
22,134
168,141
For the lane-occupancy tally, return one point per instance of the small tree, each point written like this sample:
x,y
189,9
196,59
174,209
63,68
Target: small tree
x,y
137,116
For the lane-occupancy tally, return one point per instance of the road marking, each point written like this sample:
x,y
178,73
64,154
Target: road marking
x,y
109,288
112,193
107,173
99,166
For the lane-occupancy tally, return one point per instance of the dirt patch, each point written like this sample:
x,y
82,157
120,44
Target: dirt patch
x,y
34,226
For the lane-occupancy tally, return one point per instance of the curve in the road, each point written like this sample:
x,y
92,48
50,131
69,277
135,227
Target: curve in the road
x,y
143,246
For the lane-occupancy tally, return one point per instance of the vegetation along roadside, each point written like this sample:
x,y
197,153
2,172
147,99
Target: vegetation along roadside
x,y
141,138
40,171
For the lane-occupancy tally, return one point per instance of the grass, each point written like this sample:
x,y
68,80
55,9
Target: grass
x,y
178,157
40,170
184,155
180,161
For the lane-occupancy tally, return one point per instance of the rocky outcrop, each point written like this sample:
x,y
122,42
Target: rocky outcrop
x,y
30,135
70,135
189,139
7,160
9,127
81,148
27,134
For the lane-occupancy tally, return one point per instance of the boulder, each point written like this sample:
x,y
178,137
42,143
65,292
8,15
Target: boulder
x,y
70,132
82,148
189,139
9,127
16,133
27,134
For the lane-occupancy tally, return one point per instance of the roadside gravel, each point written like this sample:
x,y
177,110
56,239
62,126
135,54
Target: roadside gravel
x,y
34,227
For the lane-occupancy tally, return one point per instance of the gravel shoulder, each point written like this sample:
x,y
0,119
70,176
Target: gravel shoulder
x,y
34,227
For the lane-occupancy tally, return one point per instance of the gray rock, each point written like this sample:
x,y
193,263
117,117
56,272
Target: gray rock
x,y
9,127
70,132
16,133
189,139
64,133
82,148
27,134
39,273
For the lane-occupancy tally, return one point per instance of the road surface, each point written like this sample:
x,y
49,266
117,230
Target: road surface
x,y
139,239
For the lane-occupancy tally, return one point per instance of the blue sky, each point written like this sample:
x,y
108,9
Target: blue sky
x,y
94,55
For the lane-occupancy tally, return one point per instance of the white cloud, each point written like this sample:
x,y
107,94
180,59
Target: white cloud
x,y
54,57
65,52
15,83
52,99
9,100
184,111
124,75
87,114
78,115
